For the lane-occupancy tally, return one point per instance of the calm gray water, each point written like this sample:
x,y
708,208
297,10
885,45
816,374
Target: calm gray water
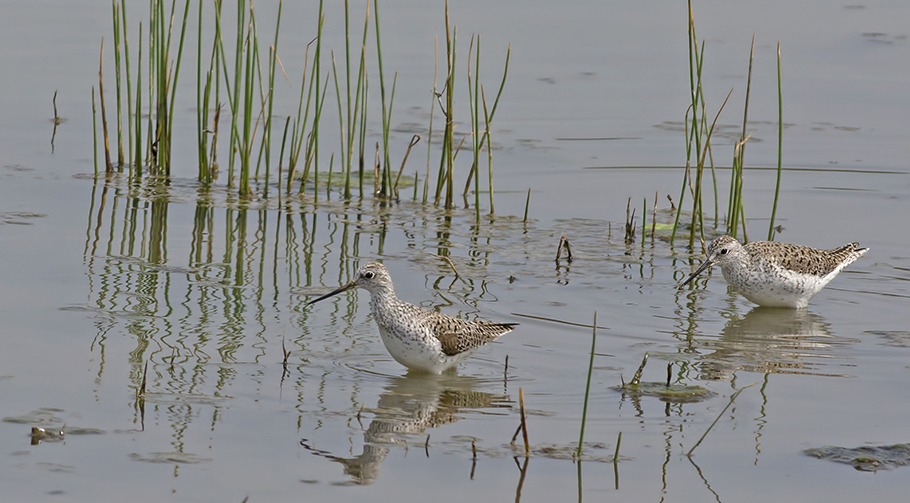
x,y
103,275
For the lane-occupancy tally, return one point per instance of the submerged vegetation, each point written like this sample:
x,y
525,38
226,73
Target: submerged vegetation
x,y
236,85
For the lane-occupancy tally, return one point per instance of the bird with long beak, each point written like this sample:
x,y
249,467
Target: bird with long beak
x,y
417,338
777,274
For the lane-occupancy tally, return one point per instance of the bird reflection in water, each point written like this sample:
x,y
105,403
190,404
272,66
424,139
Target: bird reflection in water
x,y
771,340
409,406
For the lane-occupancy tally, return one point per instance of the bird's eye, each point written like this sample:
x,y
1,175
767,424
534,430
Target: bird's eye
x,y
723,251
368,275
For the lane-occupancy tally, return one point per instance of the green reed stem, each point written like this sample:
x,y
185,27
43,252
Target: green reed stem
x,y
107,151
311,159
474,100
740,157
363,127
426,181
584,410
447,162
129,86
152,64
238,76
201,105
341,115
701,165
284,138
346,166
116,16
487,117
298,131
313,152
94,132
328,183
780,143
385,190
138,160
267,132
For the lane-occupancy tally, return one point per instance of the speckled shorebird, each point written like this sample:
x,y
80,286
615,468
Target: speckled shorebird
x,y
415,337
777,274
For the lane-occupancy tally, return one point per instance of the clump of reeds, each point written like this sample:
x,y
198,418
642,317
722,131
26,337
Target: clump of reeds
x,y
698,149
241,81
444,180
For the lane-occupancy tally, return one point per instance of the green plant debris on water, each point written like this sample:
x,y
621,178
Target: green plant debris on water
x,y
666,391
671,393
865,458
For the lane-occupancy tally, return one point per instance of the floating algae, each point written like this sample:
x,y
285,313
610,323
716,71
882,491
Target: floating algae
x,y
866,458
663,390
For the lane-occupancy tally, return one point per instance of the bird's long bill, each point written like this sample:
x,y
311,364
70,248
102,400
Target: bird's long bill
x,y
334,292
704,265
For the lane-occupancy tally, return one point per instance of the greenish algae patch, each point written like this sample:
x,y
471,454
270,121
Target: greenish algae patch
x,y
671,393
866,458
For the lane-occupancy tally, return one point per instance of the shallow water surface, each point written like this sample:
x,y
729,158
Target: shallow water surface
x,y
252,393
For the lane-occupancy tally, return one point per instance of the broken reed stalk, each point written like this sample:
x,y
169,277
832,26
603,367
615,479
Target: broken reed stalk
x,y
524,423
563,243
630,223
780,143
584,410
107,150
452,265
527,204
732,398
414,140
644,221
641,368
654,218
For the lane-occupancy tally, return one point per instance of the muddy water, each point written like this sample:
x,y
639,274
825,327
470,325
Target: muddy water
x,y
103,275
